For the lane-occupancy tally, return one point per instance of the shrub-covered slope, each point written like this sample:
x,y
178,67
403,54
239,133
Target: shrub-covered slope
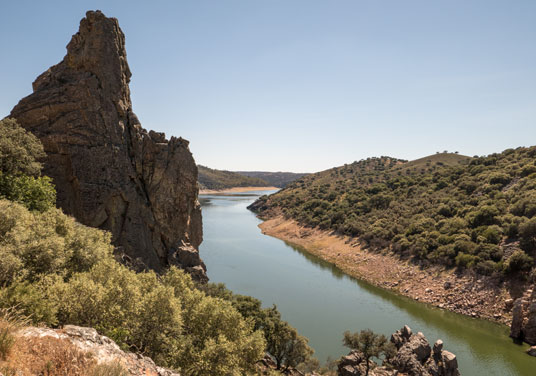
x,y
209,178
446,208
276,179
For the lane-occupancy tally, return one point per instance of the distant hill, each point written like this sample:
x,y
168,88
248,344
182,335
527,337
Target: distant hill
x,y
276,179
209,178
448,209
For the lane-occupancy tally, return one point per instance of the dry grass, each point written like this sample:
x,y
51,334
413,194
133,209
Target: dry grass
x,y
10,322
108,369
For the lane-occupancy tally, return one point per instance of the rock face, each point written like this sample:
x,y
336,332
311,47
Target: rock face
x,y
109,172
414,357
523,325
102,349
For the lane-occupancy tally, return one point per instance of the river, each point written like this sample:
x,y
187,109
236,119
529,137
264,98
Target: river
x,y
322,302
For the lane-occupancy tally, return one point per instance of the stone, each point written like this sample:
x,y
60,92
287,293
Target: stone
x,y
529,329
350,365
101,348
450,363
532,351
438,346
109,172
516,328
419,346
447,285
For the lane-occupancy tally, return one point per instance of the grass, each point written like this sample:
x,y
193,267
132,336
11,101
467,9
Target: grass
x,y
10,322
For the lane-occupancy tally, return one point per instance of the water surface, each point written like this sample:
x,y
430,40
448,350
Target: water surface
x,y
322,302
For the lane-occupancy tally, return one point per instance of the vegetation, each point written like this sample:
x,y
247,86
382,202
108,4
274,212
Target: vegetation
x,y
20,169
10,322
60,272
275,179
369,345
57,271
217,179
477,213
283,342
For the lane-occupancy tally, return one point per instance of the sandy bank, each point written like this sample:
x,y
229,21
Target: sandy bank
x,y
235,190
466,294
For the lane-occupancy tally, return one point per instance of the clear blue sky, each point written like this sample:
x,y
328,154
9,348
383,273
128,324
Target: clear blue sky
x,y
305,85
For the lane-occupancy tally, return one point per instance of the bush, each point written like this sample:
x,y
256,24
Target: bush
x,y
527,235
61,272
20,169
20,150
34,244
519,262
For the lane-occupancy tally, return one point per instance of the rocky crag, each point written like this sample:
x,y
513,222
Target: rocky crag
x,y
523,327
414,357
109,172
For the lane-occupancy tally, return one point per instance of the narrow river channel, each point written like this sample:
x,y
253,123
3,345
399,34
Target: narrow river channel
x,y
322,302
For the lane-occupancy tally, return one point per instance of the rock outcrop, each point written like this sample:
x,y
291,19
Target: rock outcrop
x,y
98,349
414,357
523,327
109,172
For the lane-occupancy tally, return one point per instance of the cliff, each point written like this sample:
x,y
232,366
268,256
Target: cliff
x,y
109,172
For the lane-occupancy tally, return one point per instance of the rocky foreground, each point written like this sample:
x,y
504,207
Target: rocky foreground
x,y
414,357
74,351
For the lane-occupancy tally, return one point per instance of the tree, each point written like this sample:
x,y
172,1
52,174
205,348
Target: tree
x,y
20,150
283,341
20,169
369,344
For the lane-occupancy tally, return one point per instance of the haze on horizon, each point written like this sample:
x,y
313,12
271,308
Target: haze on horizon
x,y
306,85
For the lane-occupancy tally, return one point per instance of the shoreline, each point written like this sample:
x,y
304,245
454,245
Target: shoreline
x,y
470,295
235,190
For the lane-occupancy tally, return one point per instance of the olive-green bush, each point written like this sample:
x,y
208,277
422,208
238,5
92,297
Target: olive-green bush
x,y
20,169
444,209
59,272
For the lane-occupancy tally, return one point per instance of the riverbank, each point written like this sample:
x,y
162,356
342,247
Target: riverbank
x,y
235,190
466,294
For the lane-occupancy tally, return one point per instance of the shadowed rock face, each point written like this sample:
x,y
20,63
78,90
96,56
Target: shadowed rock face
x,y
109,172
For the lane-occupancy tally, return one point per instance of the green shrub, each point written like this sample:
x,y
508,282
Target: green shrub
x,y
379,199
20,150
518,262
60,272
527,235
20,169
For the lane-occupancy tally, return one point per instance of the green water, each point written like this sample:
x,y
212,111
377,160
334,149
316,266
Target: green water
x,y
322,302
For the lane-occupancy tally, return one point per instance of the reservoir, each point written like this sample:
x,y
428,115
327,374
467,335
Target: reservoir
x,y
321,302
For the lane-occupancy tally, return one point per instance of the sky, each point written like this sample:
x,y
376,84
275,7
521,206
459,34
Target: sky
x,y
305,85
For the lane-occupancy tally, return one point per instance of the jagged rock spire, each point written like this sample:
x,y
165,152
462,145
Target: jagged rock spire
x,y
109,172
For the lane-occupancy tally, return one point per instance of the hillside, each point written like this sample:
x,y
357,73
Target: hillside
x,y
277,179
446,209
209,178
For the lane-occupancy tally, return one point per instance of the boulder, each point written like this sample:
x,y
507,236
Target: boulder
x,y
438,346
450,364
516,329
109,172
100,348
529,329
532,351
